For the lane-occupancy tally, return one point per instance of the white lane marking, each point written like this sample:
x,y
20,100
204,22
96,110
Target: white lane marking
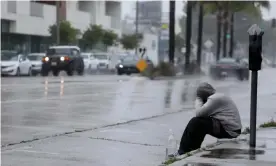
x,y
33,151
120,131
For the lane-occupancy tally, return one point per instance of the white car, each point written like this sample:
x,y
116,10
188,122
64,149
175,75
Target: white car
x,y
15,64
36,60
89,61
102,60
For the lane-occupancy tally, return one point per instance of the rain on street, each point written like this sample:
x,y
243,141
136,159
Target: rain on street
x,y
107,119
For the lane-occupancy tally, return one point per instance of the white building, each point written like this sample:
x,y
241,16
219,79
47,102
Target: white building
x,y
26,23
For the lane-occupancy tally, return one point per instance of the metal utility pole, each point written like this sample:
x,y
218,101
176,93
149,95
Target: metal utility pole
x,y
219,17
172,32
188,35
199,37
232,36
58,4
136,23
273,25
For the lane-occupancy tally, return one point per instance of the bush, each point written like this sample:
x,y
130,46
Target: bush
x,y
163,69
271,123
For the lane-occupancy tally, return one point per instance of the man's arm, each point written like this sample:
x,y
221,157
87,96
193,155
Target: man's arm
x,y
206,109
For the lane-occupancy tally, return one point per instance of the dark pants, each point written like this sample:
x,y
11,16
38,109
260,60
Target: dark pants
x,y
195,132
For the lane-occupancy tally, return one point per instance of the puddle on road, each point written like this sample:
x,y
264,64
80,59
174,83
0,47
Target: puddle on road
x,y
201,164
249,154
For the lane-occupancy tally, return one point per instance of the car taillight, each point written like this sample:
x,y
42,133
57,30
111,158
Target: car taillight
x,y
45,59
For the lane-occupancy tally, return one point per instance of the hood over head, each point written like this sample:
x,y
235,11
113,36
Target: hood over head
x,y
204,90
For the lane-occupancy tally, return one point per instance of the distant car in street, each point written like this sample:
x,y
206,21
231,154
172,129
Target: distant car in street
x,y
128,65
229,67
102,59
89,61
15,64
65,58
36,60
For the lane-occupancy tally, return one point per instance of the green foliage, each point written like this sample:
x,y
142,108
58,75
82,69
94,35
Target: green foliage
x,y
271,123
93,35
131,41
170,161
68,34
109,38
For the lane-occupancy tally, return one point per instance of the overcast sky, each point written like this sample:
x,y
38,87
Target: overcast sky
x,y
129,6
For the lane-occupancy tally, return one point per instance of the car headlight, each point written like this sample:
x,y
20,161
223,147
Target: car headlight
x,y
62,58
121,66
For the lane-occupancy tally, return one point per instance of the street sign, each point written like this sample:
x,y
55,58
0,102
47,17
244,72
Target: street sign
x,y
164,26
141,65
208,44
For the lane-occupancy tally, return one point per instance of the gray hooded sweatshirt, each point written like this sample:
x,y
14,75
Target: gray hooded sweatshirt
x,y
219,107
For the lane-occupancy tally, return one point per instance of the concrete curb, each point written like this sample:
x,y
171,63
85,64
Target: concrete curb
x,y
208,146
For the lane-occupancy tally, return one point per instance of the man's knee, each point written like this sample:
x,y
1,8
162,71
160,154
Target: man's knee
x,y
199,122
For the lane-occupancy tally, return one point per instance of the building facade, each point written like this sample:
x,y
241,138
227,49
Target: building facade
x,y
25,24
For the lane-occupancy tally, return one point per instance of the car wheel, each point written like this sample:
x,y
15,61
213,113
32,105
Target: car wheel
x,y
80,69
30,73
55,72
18,73
119,73
70,70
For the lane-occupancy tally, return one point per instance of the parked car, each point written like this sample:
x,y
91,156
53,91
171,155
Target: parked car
x,y
15,64
229,67
102,60
36,60
128,65
60,58
89,61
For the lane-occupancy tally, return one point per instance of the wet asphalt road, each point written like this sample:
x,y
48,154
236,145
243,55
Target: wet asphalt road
x,y
106,119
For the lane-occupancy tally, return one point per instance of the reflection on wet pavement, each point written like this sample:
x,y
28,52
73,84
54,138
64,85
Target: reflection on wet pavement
x,y
233,153
42,107
201,164
48,106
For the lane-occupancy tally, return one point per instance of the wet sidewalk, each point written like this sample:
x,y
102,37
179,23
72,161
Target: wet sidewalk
x,y
237,152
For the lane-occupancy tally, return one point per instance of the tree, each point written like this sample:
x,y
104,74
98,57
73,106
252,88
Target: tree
x,y
131,41
93,35
179,42
109,38
68,34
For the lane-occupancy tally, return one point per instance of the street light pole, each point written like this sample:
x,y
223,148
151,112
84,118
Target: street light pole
x,y
188,35
58,22
199,38
136,23
172,32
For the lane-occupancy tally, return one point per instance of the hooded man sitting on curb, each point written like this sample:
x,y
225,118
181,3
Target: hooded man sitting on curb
x,y
216,115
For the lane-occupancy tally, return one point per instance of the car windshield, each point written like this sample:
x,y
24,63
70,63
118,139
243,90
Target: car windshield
x,y
227,61
101,56
85,56
34,57
130,59
61,51
9,56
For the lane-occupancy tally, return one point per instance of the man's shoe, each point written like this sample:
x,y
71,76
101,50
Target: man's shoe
x,y
176,154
